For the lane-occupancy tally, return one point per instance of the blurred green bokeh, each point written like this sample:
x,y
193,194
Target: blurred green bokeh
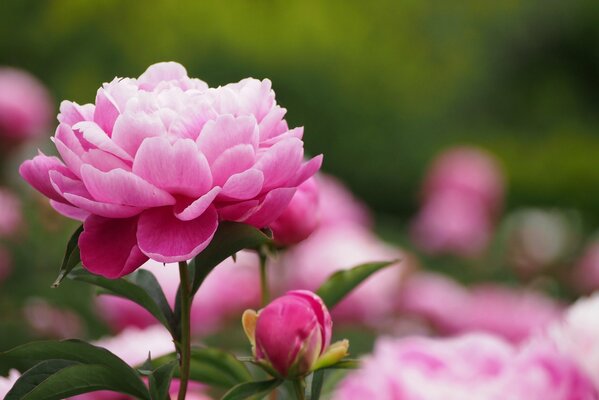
x,y
380,86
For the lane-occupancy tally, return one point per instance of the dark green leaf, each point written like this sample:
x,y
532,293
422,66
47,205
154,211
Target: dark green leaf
x,y
160,381
129,289
36,375
250,389
71,257
338,285
317,381
149,283
230,237
123,376
77,379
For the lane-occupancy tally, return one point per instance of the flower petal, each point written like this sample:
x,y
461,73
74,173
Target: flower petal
x,y
225,132
159,72
69,211
106,111
121,187
94,134
243,186
71,112
109,246
197,208
36,173
280,162
165,238
307,170
177,168
232,161
272,206
130,130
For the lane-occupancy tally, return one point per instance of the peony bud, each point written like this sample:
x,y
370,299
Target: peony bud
x,y
291,334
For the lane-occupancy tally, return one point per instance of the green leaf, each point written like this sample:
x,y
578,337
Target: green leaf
x,y
73,380
122,377
338,285
250,389
213,367
160,381
138,287
230,237
71,258
317,381
36,375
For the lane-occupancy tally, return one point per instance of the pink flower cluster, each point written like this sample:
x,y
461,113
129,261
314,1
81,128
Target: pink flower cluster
x,y
462,193
154,165
474,366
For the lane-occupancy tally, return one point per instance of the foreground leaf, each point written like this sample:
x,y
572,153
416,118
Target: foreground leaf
x,y
339,284
71,258
316,385
160,381
140,287
111,371
250,389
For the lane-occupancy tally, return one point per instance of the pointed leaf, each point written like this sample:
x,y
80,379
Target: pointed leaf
x,y
79,352
339,284
71,257
36,375
149,296
160,381
316,385
250,389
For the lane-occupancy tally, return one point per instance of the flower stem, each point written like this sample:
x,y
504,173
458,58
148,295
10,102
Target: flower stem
x,y
299,386
185,347
264,278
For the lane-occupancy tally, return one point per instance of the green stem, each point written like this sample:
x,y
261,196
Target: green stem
x,y
264,278
185,347
299,386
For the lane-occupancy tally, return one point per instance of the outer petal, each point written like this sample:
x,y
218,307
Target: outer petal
x,y
69,211
106,111
176,168
159,72
197,208
280,162
94,134
232,161
272,206
321,312
244,186
165,238
307,170
237,210
109,246
121,187
225,132
36,173
130,130
71,112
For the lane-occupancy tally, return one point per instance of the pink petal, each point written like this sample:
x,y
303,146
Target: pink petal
x,y
109,246
295,132
177,168
280,162
232,161
243,186
225,132
197,208
36,173
69,211
268,126
165,238
236,211
106,111
71,112
104,161
121,187
130,130
271,208
94,134
307,170
164,71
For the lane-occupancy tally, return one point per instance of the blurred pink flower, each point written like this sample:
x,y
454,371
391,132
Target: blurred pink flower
x,y
469,170
338,206
586,270
300,218
50,321
158,161
514,314
7,383
25,105
11,218
310,263
452,223
577,335
475,366
218,300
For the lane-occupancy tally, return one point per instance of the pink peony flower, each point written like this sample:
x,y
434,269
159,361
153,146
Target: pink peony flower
x,y
218,300
291,332
326,251
25,105
474,366
157,161
511,313
338,206
11,218
586,270
577,335
50,321
300,218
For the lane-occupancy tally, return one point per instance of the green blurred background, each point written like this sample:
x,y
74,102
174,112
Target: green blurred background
x,y
380,86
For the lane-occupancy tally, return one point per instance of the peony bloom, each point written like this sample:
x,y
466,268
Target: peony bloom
x,y
291,333
327,251
475,366
158,161
25,105
451,308
300,218
11,218
586,270
338,206
577,335
218,299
